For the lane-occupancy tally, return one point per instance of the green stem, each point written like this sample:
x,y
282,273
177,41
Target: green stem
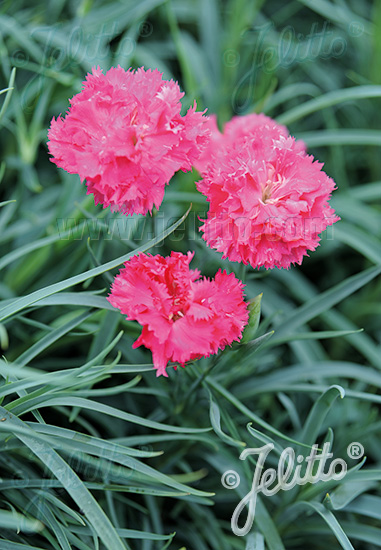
x,y
242,272
180,407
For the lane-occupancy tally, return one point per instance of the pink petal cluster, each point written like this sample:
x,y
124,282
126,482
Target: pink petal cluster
x,y
184,317
239,129
268,198
125,136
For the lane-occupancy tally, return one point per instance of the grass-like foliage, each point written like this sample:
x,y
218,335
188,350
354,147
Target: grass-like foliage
x,y
95,450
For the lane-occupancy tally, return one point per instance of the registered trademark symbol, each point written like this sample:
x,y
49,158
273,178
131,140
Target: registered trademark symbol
x,y
356,28
355,450
145,29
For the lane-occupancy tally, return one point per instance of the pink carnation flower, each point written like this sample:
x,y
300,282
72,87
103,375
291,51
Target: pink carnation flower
x,y
268,199
238,129
183,317
125,136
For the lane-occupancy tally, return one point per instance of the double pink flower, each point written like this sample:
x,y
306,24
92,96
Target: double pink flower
x,y
125,136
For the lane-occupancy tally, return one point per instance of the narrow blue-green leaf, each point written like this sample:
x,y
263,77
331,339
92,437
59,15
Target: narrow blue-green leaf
x,y
348,491
367,505
367,244
316,370
129,534
263,438
329,518
322,138
71,401
319,388
254,307
72,483
268,527
4,203
8,545
310,492
20,303
50,338
362,532
336,320
242,408
255,541
367,191
327,100
9,93
18,522
317,335
57,502
215,419
254,345
35,245
99,446
4,340
326,300
341,14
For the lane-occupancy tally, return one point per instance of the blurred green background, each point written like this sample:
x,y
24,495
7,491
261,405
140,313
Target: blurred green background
x,y
95,451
